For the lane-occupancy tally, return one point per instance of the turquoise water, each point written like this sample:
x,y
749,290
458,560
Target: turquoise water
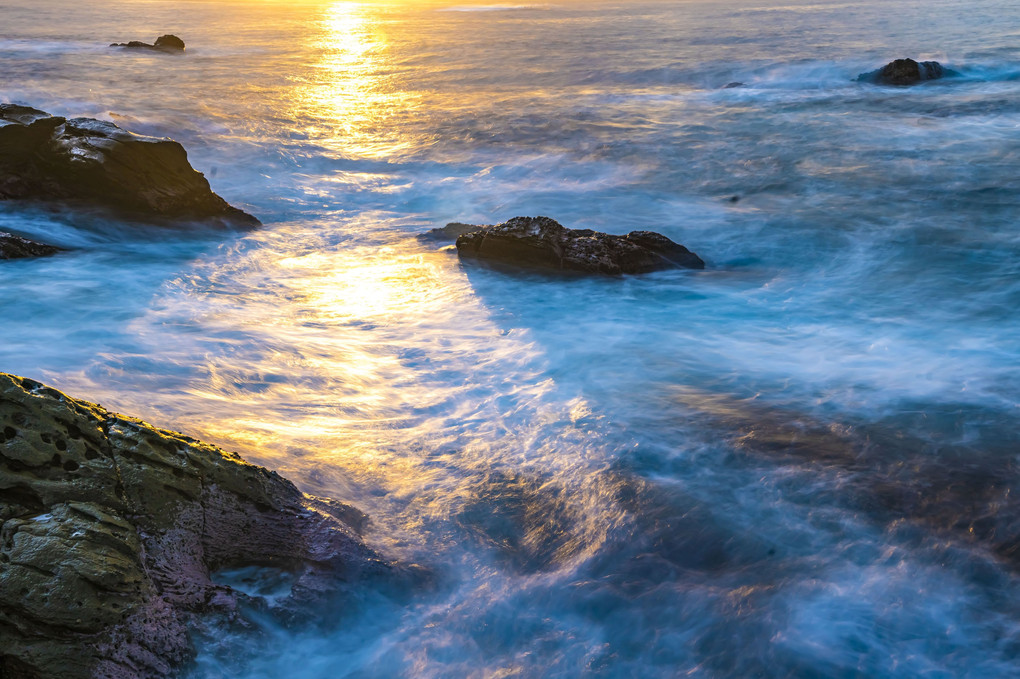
x,y
799,462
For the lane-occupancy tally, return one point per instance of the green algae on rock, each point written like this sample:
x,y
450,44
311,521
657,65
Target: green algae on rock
x,y
110,531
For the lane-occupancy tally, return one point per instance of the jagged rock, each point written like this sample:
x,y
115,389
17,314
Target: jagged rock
x,y
164,43
110,531
44,157
904,72
16,247
543,242
451,231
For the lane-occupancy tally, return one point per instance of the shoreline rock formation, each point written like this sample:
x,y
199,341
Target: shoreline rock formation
x,y
541,242
111,531
170,44
904,72
16,247
50,158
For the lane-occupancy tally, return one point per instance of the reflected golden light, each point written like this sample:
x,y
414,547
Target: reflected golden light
x,y
351,96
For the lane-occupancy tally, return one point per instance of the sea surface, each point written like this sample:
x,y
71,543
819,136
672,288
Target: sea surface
x,y
799,462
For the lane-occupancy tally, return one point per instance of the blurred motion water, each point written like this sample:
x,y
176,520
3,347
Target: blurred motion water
x,y
800,462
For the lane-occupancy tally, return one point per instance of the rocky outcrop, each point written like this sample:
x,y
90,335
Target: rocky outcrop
x,y
111,531
903,72
451,231
49,158
543,242
16,247
170,44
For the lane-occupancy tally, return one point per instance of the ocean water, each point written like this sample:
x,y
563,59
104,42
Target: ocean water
x,y
799,462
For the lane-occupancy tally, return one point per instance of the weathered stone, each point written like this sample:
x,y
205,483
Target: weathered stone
x,y
451,231
164,43
50,158
903,72
111,529
544,243
16,247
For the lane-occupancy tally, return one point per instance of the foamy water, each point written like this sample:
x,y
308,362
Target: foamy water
x,y
798,462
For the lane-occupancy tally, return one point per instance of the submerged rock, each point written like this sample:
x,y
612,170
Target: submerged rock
x,y
543,242
16,247
164,43
111,530
44,157
903,72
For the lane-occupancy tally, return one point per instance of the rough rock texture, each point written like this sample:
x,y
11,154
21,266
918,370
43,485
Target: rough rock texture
x,y
904,72
451,231
110,530
543,242
164,43
16,247
44,157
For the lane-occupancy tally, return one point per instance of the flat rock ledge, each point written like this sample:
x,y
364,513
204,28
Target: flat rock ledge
x,y
541,242
16,247
50,158
904,72
111,531
169,44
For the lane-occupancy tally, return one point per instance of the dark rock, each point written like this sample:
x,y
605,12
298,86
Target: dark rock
x,y
164,43
16,247
543,242
903,72
110,531
48,158
730,86
451,231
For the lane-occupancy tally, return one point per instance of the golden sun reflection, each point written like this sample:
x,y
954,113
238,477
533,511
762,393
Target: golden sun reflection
x,y
351,98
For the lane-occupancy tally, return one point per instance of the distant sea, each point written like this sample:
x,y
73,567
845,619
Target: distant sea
x,y
799,462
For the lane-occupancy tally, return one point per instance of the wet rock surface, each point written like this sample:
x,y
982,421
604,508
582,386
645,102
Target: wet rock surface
x,y
903,72
164,43
542,242
16,247
111,531
451,231
50,158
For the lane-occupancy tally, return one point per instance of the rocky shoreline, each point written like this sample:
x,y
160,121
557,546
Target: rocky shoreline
x,y
112,530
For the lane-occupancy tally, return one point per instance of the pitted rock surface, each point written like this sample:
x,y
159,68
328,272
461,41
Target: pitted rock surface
x,y
544,243
110,530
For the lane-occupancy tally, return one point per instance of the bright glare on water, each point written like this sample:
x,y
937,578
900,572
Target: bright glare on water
x,y
800,462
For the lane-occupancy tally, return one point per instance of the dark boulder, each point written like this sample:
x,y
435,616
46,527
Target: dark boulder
x,y
543,242
903,72
49,158
16,247
450,232
111,533
164,43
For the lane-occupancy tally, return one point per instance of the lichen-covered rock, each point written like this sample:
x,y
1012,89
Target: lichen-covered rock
x,y
164,43
111,530
49,158
903,72
16,247
542,242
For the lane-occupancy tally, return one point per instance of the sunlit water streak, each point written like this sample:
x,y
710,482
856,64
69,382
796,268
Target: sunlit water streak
x,y
799,462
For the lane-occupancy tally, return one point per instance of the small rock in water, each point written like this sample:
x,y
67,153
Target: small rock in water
x,y
730,86
903,72
16,247
164,43
543,242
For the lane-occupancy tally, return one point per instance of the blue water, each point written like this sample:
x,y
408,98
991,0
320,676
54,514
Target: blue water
x,y
800,462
